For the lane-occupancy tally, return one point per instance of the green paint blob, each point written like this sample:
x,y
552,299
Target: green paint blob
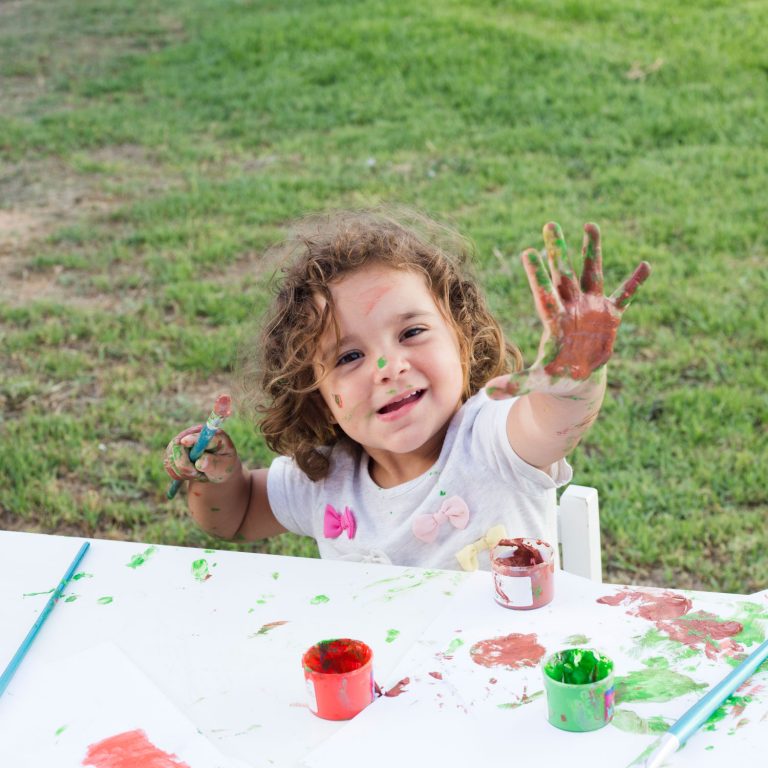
x,y
576,640
392,635
381,362
70,599
106,600
141,558
60,730
275,575
456,643
630,722
82,575
578,666
319,600
34,594
656,685
200,570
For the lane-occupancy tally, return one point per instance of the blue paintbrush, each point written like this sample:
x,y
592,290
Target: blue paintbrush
x,y
699,713
14,663
222,409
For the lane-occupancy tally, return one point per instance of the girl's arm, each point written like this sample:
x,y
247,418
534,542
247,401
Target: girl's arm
x,y
225,499
561,393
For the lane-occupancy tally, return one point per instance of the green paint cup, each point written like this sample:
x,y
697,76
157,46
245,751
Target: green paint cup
x,y
579,687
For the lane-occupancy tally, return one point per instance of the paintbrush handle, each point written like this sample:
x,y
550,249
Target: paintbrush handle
x,y
14,663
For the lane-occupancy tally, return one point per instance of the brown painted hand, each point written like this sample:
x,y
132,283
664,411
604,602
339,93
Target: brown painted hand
x,y
580,322
216,465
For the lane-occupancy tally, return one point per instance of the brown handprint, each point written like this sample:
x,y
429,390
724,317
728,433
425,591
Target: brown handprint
x,y
580,322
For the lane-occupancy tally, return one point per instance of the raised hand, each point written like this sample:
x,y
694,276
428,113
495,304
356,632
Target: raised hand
x,y
580,322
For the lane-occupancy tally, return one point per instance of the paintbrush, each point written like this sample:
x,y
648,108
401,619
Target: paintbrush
x,y
222,409
698,714
14,663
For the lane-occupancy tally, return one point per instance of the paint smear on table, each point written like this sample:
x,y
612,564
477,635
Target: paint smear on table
x,y
512,651
106,600
657,685
524,699
267,627
671,613
139,559
630,722
320,599
392,635
407,581
200,570
131,749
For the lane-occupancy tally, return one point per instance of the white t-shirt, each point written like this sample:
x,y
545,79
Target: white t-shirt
x,y
476,464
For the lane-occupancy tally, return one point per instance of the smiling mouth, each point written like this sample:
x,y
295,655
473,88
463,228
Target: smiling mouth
x,y
411,397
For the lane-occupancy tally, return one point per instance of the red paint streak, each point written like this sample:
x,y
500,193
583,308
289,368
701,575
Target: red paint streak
x,y
670,612
131,749
520,554
511,651
704,630
398,687
653,606
436,675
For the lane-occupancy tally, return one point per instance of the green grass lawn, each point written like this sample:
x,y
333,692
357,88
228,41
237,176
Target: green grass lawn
x,y
150,151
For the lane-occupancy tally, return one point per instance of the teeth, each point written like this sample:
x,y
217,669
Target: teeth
x,y
391,406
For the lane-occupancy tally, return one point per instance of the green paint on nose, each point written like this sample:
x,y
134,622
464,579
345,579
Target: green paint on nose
x,y
381,362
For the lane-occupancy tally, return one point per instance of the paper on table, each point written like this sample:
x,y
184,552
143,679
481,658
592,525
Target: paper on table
x,y
658,677
57,711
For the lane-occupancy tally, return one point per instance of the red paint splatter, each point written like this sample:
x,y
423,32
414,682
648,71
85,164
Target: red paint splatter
x,y
653,606
131,749
398,687
511,651
670,612
436,675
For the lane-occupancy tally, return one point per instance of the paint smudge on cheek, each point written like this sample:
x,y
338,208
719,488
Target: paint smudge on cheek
x,y
337,399
131,749
512,651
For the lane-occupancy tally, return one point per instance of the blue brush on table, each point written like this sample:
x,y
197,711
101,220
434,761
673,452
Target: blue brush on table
x,y
222,409
700,712
14,663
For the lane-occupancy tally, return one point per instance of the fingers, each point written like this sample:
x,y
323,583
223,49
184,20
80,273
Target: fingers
x,y
623,294
559,267
508,385
217,468
176,461
178,465
548,303
592,255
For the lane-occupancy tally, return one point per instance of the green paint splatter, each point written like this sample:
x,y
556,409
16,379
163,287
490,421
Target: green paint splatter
x,y
141,558
456,643
267,627
442,493
275,575
34,594
630,722
82,575
60,730
392,635
416,579
526,699
381,362
70,598
659,662
319,600
656,685
106,600
209,551
750,617
576,640
200,570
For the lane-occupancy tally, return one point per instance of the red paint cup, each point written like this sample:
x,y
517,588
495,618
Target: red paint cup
x,y
339,678
523,573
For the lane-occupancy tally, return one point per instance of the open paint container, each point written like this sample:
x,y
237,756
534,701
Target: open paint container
x,y
339,678
523,573
579,687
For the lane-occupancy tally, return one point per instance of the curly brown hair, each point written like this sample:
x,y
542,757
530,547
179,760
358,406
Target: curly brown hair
x,y
280,380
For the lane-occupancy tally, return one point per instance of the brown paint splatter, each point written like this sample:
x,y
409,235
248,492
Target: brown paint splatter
x,y
436,675
398,687
653,606
511,651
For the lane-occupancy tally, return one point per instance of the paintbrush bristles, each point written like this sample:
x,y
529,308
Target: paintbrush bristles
x,y
223,406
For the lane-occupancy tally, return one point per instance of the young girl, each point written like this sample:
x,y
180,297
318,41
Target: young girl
x,y
407,431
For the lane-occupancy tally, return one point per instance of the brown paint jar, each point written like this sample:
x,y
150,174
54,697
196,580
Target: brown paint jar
x,y
523,573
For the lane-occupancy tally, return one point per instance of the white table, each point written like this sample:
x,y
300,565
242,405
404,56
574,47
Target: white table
x,y
223,654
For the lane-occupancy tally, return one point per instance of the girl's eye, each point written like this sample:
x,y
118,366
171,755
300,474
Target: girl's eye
x,y
411,332
349,357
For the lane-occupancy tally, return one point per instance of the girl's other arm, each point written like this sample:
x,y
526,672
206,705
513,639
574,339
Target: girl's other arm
x,y
224,498
563,390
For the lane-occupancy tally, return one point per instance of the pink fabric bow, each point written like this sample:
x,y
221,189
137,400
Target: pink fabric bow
x,y
336,522
425,527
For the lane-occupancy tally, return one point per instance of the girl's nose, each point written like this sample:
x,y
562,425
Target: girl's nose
x,y
390,367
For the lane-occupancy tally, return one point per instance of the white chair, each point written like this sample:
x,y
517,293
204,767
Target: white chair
x,y
578,531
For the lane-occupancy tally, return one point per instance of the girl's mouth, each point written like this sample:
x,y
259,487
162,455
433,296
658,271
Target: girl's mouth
x,y
396,405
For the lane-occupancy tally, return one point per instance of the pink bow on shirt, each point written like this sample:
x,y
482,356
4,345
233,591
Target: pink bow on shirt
x,y
336,522
425,527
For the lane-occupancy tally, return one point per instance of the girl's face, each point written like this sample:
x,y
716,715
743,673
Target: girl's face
x,y
397,378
